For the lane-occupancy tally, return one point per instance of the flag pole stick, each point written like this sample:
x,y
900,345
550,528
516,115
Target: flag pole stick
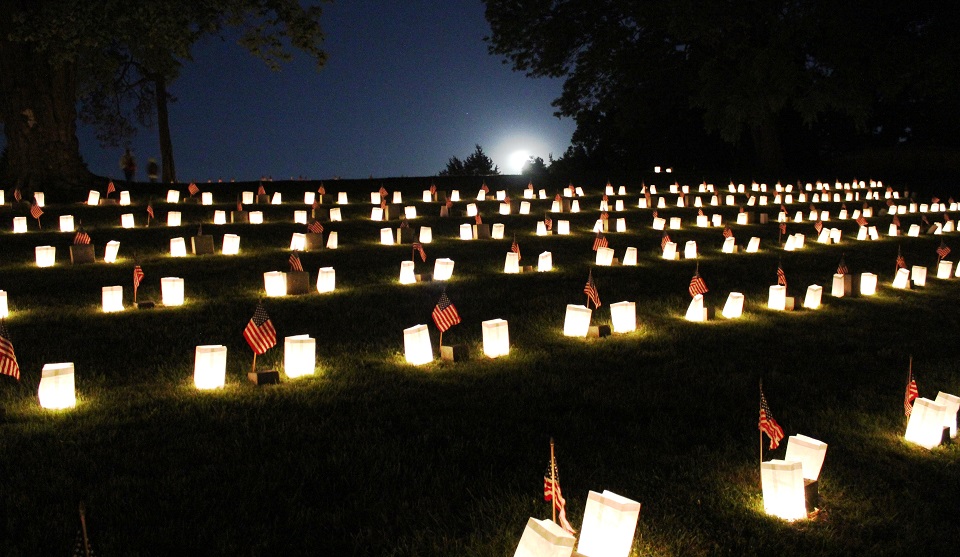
x,y
553,482
440,343
83,528
253,368
134,296
40,226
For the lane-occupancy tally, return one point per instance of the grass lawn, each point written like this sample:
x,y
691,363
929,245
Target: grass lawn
x,y
372,456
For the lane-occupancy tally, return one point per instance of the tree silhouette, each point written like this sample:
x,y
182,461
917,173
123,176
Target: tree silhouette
x,y
476,164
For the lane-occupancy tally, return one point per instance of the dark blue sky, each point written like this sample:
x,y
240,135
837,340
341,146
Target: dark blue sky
x,y
407,85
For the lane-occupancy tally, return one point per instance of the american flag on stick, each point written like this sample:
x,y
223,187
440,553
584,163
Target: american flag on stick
x,y
911,392
485,188
322,190
901,263
445,313
151,215
697,285
727,232
110,188
861,221
259,332
942,251
417,246
260,190
600,241
664,241
548,222
295,264
81,237
137,279
193,189
769,425
818,226
17,195
842,268
590,289
239,205
8,360
895,221
551,492
515,248
383,193
783,228
433,189
478,218
36,212
315,227
781,276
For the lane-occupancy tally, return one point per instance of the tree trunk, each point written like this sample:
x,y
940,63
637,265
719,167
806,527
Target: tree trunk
x,y
766,144
38,110
168,169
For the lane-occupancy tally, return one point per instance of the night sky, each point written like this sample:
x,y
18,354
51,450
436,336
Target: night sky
x,y
407,85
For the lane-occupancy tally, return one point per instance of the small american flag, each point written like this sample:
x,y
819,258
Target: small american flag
x,y
515,248
590,289
842,268
417,246
506,199
383,193
656,214
478,218
383,204
315,227
449,203
81,237
727,232
781,277
260,190
946,217
295,264
600,241
485,188
943,250
700,212
404,223
910,394
322,190
924,220
259,332
557,197
783,209
861,221
818,226
193,189
445,313
664,241
433,189
697,286
896,221
548,222
137,277
605,198
8,360
110,188
239,205
551,492
935,200
769,425
604,216
150,209
783,228
315,204
901,263
35,211
17,195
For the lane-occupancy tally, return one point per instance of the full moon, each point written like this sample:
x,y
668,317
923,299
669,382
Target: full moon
x,y
517,159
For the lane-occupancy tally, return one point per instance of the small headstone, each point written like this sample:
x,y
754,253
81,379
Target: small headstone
x,y
764,218
790,303
751,217
298,282
404,235
320,214
811,494
454,353
202,245
598,331
444,211
440,196
239,217
264,199
146,305
108,202
932,229
81,253
481,231
424,277
189,199
528,268
312,242
268,377
565,203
